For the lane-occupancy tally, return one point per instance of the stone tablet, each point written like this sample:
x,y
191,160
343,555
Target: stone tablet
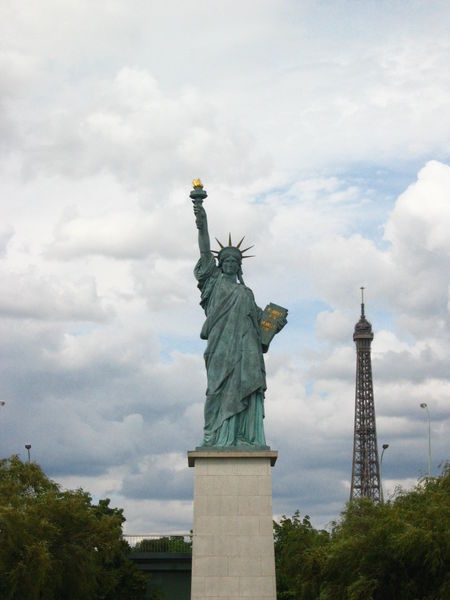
x,y
271,320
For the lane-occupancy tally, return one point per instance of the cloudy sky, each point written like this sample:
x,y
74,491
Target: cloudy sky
x,y
321,131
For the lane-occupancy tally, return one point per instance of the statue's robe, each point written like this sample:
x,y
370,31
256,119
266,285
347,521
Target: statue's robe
x,y
234,407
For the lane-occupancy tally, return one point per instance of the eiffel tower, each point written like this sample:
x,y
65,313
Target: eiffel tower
x,y
366,467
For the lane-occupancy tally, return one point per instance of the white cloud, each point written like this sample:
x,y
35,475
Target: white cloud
x,y
334,325
29,295
421,218
128,127
6,233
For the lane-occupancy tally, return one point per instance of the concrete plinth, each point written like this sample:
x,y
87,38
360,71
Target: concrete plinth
x,y
233,552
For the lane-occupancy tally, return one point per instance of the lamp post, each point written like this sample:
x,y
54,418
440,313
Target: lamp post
x,y
425,406
28,447
385,447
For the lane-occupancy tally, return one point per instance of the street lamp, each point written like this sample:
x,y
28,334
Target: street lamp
x,y
28,447
425,406
385,447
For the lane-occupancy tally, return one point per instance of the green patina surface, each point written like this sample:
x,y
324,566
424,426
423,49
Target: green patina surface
x,y
234,407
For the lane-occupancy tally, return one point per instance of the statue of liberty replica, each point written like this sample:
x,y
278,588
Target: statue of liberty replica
x,y
238,332
232,545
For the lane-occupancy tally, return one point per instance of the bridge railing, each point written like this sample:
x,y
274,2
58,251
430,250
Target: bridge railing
x,y
177,543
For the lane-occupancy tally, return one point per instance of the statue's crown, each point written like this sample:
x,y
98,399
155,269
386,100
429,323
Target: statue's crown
x,y
233,250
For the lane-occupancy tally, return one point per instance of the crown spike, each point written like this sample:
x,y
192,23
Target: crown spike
x,y
220,244
239,245
247,248
229,240
249,256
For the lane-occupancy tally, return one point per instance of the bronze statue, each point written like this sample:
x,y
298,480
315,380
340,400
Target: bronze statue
x,y
238,332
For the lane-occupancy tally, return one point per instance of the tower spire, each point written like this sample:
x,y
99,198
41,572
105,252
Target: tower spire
x,y
366,468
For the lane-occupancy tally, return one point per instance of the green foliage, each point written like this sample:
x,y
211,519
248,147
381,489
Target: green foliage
x,y
299,553
56,544
171,543
394,551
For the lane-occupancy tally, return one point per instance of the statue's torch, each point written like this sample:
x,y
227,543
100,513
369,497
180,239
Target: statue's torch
x,y
198,194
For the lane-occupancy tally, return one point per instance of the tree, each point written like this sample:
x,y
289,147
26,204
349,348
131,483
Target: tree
x,y
397,550
394,551
299,553
58,545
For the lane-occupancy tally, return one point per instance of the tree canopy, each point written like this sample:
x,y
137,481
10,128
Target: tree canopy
x,y
57,544
399,550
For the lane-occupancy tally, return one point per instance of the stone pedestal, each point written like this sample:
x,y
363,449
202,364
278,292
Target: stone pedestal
x,y
233,552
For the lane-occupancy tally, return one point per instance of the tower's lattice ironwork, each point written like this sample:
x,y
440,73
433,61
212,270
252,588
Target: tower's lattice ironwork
x,y
366,467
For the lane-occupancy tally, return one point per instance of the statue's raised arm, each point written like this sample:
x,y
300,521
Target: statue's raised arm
x,y
198,194
202,225
237,332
